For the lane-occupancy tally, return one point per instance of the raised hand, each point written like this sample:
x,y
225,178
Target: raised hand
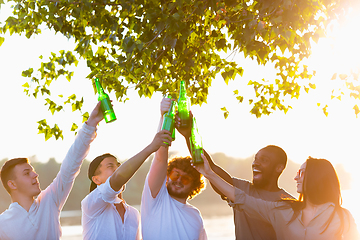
x,y
162,138
205,168
165,105
185,131
96,116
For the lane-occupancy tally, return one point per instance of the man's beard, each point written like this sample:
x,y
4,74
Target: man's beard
x,y
177,194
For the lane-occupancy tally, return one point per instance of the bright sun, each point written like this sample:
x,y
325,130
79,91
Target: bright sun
x,y
337,53
340,50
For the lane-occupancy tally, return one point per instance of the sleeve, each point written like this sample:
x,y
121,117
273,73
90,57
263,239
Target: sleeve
x,y
255,207
96,202
60,188
203,235
147,201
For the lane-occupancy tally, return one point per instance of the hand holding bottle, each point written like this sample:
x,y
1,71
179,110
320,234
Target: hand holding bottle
x,y
96,116
165,105
106,105
205,168
162,138
185,131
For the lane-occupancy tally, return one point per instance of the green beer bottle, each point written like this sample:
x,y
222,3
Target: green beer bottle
x,y
169,119
196,144
106,107
183,106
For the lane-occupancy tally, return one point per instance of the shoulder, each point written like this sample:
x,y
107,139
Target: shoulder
x,y
283,194
241,183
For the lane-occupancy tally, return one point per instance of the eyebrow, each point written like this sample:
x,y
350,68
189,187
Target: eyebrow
x,y
27,170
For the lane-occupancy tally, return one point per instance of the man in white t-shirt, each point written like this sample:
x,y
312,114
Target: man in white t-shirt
x,y
105,215
38,219
165,212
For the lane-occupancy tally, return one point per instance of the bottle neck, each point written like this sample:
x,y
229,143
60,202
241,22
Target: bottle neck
x,y
182,92
98,87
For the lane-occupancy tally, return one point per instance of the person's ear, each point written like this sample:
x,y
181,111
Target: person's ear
x,y
96,180
279,168
12,184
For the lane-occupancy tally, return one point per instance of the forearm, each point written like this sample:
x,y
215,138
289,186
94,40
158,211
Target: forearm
x,y
123,174
218,170
70,166
78,151
157,172
221,185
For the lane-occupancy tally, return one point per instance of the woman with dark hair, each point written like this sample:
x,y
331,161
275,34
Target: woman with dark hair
x,y
316,215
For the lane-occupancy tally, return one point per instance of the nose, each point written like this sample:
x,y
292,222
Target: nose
x,y
296,177
255,163
35,175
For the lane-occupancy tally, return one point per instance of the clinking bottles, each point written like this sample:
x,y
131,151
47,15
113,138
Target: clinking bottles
x,y
183,106
169,119
196,144
106,107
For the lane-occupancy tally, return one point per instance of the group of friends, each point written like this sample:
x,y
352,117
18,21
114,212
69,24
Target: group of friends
x,y
261,209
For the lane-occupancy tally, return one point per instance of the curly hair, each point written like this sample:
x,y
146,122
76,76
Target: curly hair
x,y
183,163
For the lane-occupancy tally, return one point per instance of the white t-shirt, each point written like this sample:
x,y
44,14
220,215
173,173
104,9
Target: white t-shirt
x,y
101,220
166,218
42,221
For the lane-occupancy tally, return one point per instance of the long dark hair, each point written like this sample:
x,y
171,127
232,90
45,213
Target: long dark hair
x,y
320,185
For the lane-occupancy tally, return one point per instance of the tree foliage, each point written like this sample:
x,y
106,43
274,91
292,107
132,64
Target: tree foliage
x,y
151,45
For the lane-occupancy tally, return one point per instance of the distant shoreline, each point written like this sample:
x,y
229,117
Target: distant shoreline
x,y
70,218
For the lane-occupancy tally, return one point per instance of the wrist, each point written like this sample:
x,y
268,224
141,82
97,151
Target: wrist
x,y
91,122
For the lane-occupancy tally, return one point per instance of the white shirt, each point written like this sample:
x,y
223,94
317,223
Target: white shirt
x,y
42,221
166,218
101,220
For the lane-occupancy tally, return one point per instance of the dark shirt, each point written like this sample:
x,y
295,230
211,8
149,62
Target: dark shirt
x,y
248,228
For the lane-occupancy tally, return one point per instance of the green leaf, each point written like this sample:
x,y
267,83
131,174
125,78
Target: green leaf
x,y
74,127
226,112
2,40
85,117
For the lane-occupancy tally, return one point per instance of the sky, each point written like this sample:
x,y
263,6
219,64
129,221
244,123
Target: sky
x,y
304,131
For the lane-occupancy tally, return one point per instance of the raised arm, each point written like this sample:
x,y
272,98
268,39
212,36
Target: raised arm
x,y
128,168
96,116
62,184
265,210
223,186
186,132
157,172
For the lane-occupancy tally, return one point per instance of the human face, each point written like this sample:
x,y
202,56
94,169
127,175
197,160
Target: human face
x,y
26,180
179,184
263,167
299,178
106,168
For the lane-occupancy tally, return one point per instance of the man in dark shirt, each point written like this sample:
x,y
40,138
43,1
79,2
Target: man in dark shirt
x,y
268,164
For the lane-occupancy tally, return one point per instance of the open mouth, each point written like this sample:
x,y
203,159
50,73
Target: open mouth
x,y
257,173
177,186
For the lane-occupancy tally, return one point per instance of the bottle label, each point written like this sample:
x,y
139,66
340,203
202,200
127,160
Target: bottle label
x,y
168,124
106,105
197,159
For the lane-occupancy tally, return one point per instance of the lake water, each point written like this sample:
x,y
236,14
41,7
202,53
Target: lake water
x,y
217,228
221,227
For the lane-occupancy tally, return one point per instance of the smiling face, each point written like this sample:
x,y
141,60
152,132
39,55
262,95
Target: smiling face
x,y
299,178
179,184
25,180
105,169
266,168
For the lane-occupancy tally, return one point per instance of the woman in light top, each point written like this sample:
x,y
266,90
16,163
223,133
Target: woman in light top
x,y
317,215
